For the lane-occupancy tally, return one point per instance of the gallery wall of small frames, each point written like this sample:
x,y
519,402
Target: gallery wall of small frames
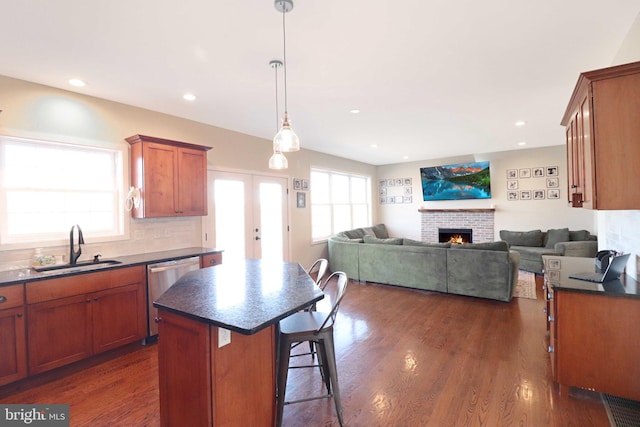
x,y
537,183
395,191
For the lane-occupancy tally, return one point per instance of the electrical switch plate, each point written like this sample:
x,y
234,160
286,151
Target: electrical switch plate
x,y
224,337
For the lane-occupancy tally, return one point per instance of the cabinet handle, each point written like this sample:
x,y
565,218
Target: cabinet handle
x,y
550,349
19,315
95,299
88,300
3,298
158,319
213,261
549,295
544,310
550,318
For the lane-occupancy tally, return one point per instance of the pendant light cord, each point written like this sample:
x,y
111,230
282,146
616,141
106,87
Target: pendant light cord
x,y
284,45
277,117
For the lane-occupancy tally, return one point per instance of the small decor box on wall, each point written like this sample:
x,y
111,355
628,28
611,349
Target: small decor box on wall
x,y
395,191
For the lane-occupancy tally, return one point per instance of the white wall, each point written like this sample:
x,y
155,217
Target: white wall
x,y
404,219
35,111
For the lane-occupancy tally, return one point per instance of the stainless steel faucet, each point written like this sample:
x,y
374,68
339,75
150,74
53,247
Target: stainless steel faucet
x,y
73,255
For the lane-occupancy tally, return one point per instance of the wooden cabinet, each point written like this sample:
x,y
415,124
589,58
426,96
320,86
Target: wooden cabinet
x,y
171,176
201,384
74,317
602,133
210,260
592,341
13,356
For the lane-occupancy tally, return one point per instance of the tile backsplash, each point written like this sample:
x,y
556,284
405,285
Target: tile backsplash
x,y
145,236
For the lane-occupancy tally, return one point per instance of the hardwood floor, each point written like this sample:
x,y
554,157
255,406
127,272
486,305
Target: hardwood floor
x,y
405,358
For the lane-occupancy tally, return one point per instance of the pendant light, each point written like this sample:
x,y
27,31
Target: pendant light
x,y
286,138
277,160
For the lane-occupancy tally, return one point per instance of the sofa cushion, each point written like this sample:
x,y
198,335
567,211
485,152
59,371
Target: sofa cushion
x,y
488,246
522,238
387,241
339,238
380,231
412,242
368,231
556,235
356,233
579,235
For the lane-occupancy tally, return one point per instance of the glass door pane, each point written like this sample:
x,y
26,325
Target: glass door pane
x,y
230,229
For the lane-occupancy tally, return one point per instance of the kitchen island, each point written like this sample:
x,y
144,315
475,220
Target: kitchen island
x,y
216,346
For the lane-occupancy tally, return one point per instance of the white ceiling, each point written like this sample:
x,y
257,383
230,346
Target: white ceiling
x,y
433,78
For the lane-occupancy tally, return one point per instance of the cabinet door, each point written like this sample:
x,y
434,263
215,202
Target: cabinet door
x,y
192,192
118,317
160,165
184,355
59,332
13,356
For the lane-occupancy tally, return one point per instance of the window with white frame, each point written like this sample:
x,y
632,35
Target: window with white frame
x,y
46,188
339,201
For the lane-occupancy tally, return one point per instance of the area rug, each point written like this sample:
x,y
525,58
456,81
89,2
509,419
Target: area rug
x,y
526,286
621,412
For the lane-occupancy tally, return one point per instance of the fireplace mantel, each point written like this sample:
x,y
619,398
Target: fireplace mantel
x,y
458,210
480,220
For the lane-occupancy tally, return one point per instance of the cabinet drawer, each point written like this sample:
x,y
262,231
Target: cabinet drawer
x,y
11,296
46,290
210,260
128,276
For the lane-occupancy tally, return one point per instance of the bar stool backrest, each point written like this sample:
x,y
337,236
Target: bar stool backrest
x,y
320,265
341,290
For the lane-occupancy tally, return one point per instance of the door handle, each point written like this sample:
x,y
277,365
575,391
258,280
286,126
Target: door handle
x,y
257,237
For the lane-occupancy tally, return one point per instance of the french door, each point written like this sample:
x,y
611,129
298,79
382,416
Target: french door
x,y
248,216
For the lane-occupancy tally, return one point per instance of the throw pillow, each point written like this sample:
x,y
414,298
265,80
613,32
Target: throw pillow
x,y
522,238
368,231
488,246
556,236
388,241
579,235
356,233
380,231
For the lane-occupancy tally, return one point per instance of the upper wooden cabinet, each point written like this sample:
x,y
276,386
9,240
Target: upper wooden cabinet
x,y
603,139
171,176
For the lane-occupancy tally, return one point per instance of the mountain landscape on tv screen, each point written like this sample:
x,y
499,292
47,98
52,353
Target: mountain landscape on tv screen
x,y
456,182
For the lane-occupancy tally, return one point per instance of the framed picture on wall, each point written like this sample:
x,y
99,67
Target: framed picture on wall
x,y
512,173
524,173
297,184
525,195
512,185
553,194
512,195
538,194
301,199
538,172
552,171
553,183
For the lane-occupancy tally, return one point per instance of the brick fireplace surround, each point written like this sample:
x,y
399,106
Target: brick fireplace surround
x,y
479,220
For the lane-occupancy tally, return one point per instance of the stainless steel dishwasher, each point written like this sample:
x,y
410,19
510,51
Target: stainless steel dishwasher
x,y
161,277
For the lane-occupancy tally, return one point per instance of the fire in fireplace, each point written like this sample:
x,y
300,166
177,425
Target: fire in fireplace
x,y
455,235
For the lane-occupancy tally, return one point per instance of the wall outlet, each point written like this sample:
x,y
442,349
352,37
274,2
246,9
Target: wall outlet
x,y
224,337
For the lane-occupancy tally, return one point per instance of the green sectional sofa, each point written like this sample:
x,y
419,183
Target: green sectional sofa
x,y
485,270
531,245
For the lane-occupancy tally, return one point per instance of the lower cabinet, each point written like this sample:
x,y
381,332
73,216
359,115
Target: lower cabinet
x,y
13,356
64,329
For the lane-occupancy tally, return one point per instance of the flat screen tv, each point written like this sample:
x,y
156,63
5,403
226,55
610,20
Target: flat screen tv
x,y
456,182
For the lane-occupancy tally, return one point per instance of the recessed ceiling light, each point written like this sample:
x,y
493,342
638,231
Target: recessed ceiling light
x,y
189,97
373,145
355,111
405,157
520,123
521,143
77,83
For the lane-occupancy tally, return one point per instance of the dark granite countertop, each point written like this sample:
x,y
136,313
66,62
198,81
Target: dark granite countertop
x,y
624,287
26,275
244,297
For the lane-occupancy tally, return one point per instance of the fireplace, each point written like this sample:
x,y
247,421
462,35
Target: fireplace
x,y
455,235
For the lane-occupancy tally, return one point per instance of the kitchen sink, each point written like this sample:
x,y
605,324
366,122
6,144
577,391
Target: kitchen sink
x,y
79,265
